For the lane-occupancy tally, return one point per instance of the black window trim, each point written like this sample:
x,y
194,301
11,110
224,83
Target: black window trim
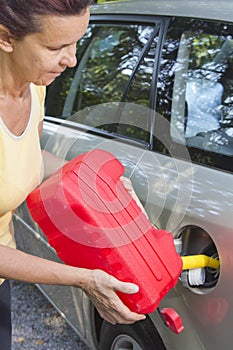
x,y
94,131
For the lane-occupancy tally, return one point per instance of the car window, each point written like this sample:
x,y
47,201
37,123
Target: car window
x,y
115,64
195,89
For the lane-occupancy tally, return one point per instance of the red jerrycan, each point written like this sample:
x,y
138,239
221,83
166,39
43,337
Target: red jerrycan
x,y
93,222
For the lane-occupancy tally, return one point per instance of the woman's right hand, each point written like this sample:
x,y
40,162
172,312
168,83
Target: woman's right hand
x,y
101,289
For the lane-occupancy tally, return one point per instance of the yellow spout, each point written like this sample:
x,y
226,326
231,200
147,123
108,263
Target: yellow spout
x,y
199,261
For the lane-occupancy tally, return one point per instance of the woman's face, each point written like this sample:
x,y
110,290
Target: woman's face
x,y
41,57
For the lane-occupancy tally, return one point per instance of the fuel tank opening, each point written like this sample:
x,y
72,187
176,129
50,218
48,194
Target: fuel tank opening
x,y
201,265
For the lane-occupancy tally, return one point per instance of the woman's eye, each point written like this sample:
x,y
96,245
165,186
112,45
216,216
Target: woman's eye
x,y
54,48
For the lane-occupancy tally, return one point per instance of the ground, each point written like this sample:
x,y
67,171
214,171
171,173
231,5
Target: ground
x,y
36,323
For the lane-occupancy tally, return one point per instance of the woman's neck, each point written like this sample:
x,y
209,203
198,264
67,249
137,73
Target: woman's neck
x,y
11,84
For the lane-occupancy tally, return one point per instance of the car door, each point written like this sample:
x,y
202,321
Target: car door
x,y
194,96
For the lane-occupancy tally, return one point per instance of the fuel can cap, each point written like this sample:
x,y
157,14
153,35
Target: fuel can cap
x,y
172,319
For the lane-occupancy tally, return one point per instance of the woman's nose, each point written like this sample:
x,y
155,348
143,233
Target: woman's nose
x,y
69,59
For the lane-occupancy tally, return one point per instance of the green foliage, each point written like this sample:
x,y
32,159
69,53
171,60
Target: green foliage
x,y
204,48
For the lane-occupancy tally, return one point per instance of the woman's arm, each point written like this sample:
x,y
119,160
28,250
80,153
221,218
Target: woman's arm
x,y
50,161
98,285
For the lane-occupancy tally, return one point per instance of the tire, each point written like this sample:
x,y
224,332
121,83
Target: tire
x,y
141,335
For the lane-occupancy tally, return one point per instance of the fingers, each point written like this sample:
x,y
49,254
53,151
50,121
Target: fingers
x,y
127,183
129,187
119,313
127,316
126,287
122,316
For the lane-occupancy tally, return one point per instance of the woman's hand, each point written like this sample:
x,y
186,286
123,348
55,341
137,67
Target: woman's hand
x,y
129,187
101,289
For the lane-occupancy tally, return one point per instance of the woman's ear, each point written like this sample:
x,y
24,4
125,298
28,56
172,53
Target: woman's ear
x,y
6,39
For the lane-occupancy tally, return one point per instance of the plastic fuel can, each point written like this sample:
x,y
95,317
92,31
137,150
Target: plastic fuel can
x,y
92,221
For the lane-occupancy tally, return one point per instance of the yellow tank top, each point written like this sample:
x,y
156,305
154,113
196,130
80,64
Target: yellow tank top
x,y
20,164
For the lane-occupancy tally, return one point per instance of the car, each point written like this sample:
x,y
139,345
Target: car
x,y
154,86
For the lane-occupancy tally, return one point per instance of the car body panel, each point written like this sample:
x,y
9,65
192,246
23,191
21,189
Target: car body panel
x,y
214,10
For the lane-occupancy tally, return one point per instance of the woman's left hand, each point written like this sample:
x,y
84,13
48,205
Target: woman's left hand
x,y
129,187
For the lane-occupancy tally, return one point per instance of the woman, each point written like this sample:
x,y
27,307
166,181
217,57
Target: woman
x,y
37,43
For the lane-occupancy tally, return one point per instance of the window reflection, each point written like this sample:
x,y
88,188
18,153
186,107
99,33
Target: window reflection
x,y
197,77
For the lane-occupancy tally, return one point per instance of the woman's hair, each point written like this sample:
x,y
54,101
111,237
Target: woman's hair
x,y
21,17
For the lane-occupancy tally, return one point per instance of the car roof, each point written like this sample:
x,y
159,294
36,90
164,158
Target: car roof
x,y
207,9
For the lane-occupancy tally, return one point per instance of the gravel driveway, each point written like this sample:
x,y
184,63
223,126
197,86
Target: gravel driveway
x,y
36,323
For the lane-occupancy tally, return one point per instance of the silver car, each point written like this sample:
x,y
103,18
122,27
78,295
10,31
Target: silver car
x,y
154,86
